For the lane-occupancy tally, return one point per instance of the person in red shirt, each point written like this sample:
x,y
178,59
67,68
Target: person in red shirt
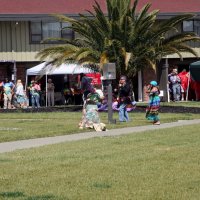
x,y
184,83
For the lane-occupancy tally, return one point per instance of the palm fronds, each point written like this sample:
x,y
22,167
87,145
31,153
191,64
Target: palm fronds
x,y
132,40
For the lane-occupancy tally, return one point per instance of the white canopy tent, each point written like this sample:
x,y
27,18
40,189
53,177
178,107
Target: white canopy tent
x,y
48,69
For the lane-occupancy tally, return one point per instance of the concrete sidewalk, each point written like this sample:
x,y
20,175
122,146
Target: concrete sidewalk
x,y
24,144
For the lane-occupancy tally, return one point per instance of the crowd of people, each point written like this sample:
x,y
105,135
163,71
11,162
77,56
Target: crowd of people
x,y
13,96
92,98
34,95
16,96
72,94
123,98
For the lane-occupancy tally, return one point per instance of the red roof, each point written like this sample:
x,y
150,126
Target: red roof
x,y
46,6
173,6
79,6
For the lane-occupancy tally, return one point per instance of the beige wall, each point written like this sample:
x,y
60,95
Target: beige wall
x,y
14,42
194,45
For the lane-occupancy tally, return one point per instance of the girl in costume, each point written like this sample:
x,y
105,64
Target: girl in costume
x,y
152,110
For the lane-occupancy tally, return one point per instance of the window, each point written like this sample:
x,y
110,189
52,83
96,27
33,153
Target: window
x,y
51,30
40,31
188,26
66,32
197,27
36,30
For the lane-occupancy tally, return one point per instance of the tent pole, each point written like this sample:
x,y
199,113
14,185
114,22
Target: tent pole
x,y
188,85
25,89
168,95
26,82
46,89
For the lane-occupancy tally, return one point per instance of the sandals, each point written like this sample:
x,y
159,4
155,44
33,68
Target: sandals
x,y
156,123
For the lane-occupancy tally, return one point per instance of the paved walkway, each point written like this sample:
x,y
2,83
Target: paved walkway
x,y
24,144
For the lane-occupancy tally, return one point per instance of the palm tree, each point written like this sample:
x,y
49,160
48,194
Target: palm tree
x,y
129,38
150,41
99,38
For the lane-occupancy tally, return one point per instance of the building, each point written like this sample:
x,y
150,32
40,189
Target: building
x,y
24,24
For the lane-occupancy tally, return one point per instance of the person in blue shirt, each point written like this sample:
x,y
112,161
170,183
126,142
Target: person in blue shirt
x,y
8,88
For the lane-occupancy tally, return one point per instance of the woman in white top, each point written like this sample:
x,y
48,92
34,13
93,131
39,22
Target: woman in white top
x,y
20,93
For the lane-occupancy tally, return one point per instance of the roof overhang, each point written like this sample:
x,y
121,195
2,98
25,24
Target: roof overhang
x,y
31,17
169,15
49,17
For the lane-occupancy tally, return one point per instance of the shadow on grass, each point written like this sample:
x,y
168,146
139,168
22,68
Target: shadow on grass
x,y
5,160
42,197
102,185
12,194
20,195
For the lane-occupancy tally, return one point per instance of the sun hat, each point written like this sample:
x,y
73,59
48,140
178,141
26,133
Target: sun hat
x,y
154,83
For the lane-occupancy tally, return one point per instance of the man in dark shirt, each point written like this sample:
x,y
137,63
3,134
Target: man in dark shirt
x,y
86,85
123,98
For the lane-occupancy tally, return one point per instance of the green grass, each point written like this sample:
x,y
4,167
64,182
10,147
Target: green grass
x,y
161,164
18,126
180,103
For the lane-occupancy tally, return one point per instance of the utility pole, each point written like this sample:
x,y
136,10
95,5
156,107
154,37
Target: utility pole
x,y
109,74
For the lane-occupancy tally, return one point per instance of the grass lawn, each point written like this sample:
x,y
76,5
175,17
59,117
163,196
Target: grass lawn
x,y
161,164
17,126
180,103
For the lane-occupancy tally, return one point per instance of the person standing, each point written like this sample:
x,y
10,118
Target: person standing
x,y
86,85
184,76
67,93
21,100
123,98
50,93
8,88
154,103
77,95
35,90
175,85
